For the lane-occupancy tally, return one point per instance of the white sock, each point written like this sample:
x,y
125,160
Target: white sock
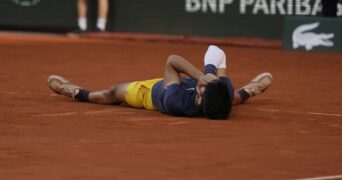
x,y
82,23
101,23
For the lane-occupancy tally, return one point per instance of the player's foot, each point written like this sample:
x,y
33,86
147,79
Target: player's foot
x,y
98,30
258,84
76,33
62,86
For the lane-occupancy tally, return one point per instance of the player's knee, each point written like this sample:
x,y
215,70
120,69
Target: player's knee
x,y
112,93
172,58
116,94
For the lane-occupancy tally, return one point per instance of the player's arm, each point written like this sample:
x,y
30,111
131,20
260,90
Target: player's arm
x,y
175,65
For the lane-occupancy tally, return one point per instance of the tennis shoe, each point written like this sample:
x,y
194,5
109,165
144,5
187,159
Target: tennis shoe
x,y
62,86
98,30
258,84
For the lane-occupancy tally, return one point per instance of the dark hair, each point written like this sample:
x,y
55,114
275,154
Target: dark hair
x,y
216,100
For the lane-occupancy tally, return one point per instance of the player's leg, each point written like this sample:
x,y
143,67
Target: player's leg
x,y
103,8
256,86
82,6
113,95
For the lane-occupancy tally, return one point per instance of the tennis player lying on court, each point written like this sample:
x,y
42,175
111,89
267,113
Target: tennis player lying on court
x,y
210,94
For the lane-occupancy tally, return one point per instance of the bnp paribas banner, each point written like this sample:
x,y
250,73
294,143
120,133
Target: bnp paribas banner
x,y
313,34
215,18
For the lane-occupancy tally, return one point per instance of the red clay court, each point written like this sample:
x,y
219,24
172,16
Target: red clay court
x,y
292,131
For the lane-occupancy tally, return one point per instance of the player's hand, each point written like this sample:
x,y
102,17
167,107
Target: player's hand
x,y
204,79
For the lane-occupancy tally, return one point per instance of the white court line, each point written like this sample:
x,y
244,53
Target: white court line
x,y
15,93
111,110
324,114
300,112
323,178
270,110
56,114
102,111
74,113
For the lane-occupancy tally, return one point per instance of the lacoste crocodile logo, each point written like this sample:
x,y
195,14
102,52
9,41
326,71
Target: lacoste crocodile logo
x,y
302,37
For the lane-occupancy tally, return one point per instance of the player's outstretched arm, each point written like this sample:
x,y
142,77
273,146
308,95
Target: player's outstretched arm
x,y
175,65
